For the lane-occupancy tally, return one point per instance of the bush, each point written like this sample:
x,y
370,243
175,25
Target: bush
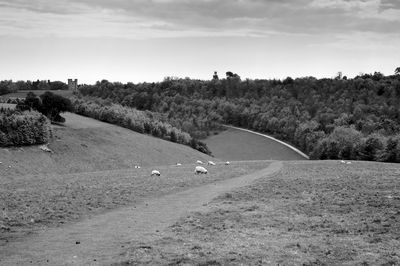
x,y
23,128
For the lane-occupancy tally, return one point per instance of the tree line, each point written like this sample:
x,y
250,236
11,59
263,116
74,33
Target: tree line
x,y
329,118
144,122
9,86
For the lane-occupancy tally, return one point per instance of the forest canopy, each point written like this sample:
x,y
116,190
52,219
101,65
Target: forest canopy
x,y
337,118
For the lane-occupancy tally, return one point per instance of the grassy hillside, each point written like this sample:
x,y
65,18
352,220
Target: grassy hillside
x,y
85,144
312,213
233,144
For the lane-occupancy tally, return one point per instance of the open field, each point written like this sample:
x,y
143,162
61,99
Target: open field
x,y
84,145
31,202
312,213
22,94
233,144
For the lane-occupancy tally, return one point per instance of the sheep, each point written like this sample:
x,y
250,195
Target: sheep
x,y
200,170
155,172
199,162
45,148
137,166
342,161
227,163
348,163
210,163
178,164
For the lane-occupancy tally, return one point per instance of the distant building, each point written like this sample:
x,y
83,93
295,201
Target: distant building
x,y
215,76
73,84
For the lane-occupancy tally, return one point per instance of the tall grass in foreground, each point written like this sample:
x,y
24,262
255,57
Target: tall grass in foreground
x,y
23,128
144,122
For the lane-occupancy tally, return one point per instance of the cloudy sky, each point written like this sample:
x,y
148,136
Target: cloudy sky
x,y
147,40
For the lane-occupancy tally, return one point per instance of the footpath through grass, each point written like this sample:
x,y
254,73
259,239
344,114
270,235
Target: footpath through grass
x,y
31,202
312,213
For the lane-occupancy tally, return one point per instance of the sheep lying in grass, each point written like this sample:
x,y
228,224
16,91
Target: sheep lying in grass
x,y
199,162
178,164
155,172
227,163
200,170
210,163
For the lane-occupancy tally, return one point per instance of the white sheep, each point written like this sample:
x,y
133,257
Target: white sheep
x,y
200,170
155,172
211,163
178,164
227,163
199,162
342,161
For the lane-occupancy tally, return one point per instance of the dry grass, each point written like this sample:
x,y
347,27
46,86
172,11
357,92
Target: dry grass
x,y
29,202
233,144
313,213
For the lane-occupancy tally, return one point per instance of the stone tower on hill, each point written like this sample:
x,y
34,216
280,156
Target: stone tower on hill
x,y
73,84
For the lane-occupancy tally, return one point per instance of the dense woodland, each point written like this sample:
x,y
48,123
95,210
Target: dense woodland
x,y
336,118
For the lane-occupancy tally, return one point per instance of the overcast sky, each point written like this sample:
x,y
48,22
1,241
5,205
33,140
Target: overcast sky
x,y
147,40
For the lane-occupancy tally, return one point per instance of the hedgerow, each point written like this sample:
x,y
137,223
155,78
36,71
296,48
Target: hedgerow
x,y
144,122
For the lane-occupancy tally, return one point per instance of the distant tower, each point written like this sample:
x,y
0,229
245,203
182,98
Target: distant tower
x,y
215,76
73,84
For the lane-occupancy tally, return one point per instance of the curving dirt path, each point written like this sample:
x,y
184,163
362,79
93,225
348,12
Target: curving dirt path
x,y
102,238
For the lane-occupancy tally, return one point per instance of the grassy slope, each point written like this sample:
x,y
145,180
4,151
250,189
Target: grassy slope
x,y
312,213
233,144
85,144
91,170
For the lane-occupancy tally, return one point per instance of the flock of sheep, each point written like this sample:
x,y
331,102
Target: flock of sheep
x,y
198,170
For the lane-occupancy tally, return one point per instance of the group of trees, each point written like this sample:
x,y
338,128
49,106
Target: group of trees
x,y
145,122
49,104
9,86
319,116
23,128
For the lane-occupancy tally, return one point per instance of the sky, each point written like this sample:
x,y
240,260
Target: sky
x,y
148,40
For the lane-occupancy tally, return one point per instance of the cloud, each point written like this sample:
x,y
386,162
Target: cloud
x,y
169,18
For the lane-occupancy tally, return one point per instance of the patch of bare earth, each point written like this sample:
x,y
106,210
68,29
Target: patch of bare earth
x,y
312,213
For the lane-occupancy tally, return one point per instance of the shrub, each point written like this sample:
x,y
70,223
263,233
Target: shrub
x,y
23,128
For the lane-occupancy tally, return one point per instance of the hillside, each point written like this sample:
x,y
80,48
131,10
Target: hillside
x,y
84,145
234,144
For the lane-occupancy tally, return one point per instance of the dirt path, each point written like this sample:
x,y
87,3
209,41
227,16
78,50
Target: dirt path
x,y
101,239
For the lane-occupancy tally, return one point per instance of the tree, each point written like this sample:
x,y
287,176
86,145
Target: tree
x,y
58,85
53,105
397,71
32,101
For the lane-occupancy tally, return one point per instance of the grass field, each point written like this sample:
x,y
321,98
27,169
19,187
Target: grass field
x,y
22,94
84,145
233,144
31,202
312,213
